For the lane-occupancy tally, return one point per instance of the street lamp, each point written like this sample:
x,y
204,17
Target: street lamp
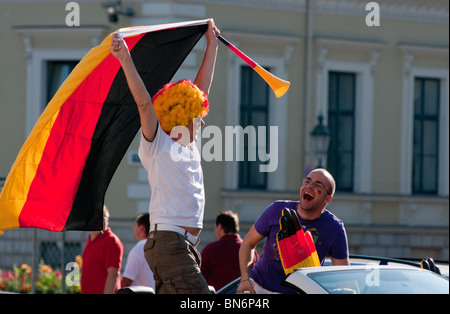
x,y
320,137
114,8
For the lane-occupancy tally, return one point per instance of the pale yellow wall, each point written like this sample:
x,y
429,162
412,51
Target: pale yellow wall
x,y
232,18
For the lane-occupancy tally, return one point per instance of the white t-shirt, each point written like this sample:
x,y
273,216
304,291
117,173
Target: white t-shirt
x,y
176,181
137,268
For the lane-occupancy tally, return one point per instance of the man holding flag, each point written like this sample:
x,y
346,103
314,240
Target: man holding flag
x,y
177,201
327,230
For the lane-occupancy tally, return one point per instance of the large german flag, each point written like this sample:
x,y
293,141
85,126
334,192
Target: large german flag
x,y
61,174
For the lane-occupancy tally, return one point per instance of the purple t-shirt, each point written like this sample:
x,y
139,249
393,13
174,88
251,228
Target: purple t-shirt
x,y
328,233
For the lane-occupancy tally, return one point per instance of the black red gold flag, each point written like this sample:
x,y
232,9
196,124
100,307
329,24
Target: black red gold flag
x,y
61,174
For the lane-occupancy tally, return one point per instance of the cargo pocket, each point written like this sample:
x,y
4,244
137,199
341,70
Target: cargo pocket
x,y
149,255
150,242
186,281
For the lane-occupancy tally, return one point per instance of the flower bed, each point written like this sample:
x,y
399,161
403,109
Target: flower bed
x,y
47,280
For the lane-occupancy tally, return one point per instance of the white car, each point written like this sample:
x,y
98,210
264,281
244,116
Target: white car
x,y
367,279
365,275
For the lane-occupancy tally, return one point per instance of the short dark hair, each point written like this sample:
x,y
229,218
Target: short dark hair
x,y
144,220
228,220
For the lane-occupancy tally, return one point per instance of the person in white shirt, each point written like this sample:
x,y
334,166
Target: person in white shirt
x,y
137,272
175,175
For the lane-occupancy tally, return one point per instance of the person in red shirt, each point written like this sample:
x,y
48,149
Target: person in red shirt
x,y
102,259
220,259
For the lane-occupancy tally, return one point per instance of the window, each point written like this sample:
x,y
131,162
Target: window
x,y
341,123
57,72
426,136
254,109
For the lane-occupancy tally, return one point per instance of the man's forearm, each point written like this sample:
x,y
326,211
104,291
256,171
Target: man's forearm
x,y
111,281
141,97
245,260
137,87
206,71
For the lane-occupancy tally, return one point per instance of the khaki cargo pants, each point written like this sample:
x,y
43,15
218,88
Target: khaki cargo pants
x,y
175,264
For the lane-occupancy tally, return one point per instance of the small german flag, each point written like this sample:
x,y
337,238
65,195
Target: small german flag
x,y
296,247
61,174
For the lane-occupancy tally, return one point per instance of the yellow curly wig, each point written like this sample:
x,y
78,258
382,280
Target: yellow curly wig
x,y
179,103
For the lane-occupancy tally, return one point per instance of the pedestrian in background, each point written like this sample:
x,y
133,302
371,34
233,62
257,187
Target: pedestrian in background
x,y
220,259
137,272
102,260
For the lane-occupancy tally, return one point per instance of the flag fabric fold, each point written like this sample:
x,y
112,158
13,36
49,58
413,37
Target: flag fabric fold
x,y
59,179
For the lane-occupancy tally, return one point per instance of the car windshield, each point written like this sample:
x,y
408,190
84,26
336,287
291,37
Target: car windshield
x,y
376,280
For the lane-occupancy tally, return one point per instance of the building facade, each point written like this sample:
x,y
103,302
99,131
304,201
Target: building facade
x,y
377,72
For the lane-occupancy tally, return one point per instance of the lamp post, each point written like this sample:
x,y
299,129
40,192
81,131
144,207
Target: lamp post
x,y
320,137
114,8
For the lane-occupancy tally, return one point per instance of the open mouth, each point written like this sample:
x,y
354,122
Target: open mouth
x,y
308,196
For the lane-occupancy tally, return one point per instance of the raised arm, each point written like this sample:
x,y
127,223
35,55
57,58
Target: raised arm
x,y
206,71
149,122
246,258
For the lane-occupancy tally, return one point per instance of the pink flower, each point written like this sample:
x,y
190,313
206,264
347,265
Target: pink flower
x,y
6,276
